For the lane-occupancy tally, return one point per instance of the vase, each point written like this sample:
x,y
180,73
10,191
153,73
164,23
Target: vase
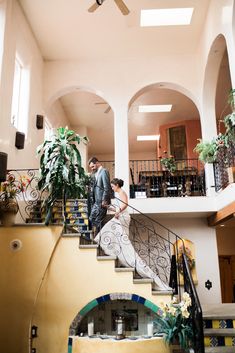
x,y
8,211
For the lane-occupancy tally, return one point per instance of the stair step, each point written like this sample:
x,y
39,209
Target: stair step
x,y
124,269
219,332
106,258
142,280
162,292
88,246
219,349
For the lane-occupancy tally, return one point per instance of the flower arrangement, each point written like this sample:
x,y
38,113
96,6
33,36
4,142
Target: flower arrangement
x,y
168,162
174,322
190,259
10,188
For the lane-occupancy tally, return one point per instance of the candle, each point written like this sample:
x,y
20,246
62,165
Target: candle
x,y
90,328
150,328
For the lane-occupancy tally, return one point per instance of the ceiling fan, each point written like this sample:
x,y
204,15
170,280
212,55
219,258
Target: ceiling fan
x,y
106,110
120,4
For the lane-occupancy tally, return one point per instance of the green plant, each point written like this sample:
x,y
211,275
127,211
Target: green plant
x,y
174,322
168,162
61,171
208,150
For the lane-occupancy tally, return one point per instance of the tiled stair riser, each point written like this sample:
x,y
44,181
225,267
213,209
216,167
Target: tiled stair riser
x,y
217,337
75,213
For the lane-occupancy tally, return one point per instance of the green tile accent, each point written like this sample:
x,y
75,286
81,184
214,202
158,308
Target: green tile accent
x,y
148,304
155,308
88,307
151,306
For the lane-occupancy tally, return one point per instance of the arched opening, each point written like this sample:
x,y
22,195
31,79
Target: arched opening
x,y
174,125
223,87
214,95
103,311
87,113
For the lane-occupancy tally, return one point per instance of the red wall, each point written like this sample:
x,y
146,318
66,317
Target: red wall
x,y
192,130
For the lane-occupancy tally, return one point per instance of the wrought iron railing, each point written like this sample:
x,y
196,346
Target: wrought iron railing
x,y
226,159
31,196
196,317
148,178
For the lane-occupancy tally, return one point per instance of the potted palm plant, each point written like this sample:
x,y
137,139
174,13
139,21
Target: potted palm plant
x,y
61,174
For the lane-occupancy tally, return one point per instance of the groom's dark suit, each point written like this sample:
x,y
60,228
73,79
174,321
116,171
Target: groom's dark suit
x,y
101,194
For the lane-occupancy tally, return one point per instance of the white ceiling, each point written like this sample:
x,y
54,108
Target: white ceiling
x,y
65,30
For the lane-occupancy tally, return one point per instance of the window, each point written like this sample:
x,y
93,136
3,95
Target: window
x,y
48,129
20,97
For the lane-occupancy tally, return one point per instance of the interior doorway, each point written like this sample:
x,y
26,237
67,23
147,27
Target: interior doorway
x,y
227,278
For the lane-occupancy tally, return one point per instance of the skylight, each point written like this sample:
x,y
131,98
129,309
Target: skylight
x,y
159,108
166,17
148,138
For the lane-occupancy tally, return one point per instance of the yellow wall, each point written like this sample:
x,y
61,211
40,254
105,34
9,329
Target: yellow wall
x,y
74,278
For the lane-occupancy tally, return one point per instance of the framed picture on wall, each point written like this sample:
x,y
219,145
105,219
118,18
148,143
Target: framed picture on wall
x,y
177,142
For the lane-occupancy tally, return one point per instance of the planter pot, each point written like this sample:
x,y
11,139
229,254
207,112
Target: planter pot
x,y
231,174
8,211
175,348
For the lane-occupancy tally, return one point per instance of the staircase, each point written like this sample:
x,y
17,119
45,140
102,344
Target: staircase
x,y
77,225
219,328
123,280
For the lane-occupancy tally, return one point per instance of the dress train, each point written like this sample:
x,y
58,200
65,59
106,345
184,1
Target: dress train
x,y
114,240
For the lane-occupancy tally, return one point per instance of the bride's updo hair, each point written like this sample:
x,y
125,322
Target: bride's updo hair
x,y
118,182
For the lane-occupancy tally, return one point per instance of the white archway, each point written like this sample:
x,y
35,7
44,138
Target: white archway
x,y
215,56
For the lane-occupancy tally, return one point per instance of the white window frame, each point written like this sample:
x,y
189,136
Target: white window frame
x,y
20,96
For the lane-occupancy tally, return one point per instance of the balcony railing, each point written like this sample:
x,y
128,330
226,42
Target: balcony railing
x,y
149,179
226,160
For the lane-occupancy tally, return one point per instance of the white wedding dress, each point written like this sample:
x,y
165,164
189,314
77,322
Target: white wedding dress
x,y
114,240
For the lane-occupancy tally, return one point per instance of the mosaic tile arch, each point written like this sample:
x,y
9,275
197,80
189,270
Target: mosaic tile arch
x,y
105,298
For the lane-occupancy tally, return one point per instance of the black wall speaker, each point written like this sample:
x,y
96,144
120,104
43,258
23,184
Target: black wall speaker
x,y
19,142
39,122
3,166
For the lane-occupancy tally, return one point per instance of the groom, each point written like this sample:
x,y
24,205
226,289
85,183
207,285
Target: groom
x,y
100,194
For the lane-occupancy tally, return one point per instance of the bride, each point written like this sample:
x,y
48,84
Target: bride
x,y
114,238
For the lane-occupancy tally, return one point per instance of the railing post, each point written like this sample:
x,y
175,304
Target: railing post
x,y
210,179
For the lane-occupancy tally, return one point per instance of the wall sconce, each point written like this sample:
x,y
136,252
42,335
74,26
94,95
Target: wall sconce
x,y
39,122
19,140
34,332
208,284
3,166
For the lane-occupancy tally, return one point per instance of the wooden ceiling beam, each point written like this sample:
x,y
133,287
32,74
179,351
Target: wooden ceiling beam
x,y
222,215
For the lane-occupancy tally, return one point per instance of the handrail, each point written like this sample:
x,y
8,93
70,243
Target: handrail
x,y
196,317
